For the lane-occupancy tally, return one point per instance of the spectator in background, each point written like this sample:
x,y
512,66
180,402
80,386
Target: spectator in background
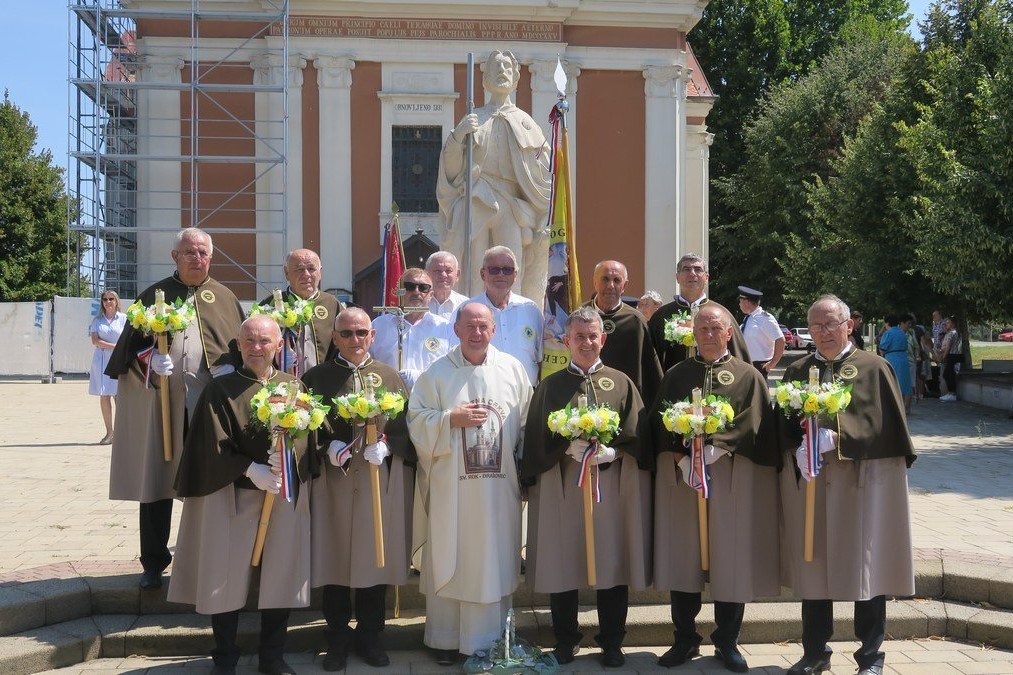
x,y
105,331
856,333
937,331
907,322
893,346
649,303
930,373
950,356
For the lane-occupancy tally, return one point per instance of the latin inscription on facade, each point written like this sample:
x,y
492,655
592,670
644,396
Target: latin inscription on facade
x,y
422,29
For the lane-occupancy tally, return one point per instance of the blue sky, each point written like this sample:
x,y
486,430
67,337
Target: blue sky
x,y
34,54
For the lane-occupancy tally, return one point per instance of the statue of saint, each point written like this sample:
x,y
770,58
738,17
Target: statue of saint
x,y
510,182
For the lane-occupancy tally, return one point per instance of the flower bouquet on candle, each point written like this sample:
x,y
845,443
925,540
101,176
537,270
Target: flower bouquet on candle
x,y
585,422
826,399
679,329
283,408
361,406
714,415
293,313
170,317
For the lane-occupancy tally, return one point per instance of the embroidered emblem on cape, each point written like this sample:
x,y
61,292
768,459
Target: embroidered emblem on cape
x,y
432,344
207,295
609,326
374,380
725,377
320,312
849,371
606,383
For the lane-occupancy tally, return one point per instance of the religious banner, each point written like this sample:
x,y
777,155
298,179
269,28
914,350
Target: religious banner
x,y
562,290
393,263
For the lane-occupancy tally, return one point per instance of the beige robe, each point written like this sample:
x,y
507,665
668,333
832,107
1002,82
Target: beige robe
x,y
211,568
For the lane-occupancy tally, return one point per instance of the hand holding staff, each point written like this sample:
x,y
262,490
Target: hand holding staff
x,y
592,571
265,513
163,381
810,487
701,501
374,483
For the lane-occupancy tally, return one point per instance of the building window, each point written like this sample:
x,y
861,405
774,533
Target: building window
x,y
415,159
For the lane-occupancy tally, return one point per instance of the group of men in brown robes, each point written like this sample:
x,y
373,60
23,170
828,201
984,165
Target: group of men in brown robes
x,y
645,526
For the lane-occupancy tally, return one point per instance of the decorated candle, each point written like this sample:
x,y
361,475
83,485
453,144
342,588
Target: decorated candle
x,y
814,376
279,303
159,301
697,401
582,401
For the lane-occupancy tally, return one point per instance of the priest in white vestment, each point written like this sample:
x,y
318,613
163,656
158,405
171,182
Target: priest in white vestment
x,y
466,418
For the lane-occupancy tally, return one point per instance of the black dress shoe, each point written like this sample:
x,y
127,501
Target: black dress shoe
x,y
565,653
612,657
336,659
150,581
810,665
732,658
679,654
874,669
373,655
446,657
275,667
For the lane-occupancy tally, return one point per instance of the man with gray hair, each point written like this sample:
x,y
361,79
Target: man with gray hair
x,y
519,321
207,348
444,270
649,303
550,466
692,275
863,481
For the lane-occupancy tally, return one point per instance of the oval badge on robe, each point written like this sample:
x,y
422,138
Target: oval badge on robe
x,y
606,383
374,380
849,371
725,377
609,326
529,332
207,295
320,312
432,344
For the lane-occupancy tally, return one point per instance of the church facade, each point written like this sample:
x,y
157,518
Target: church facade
x,y
374,89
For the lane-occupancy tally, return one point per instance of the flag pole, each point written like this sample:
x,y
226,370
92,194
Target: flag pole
x,y
468,151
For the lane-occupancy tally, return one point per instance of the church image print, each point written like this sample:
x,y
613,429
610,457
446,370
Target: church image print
x,y
483,445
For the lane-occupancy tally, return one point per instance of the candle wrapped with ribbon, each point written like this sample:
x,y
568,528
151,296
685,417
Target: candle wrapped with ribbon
x,y
597,425
693,421
289,414
292,316
361,410
812,402
160,319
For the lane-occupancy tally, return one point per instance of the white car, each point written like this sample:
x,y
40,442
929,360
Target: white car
x,y
803,339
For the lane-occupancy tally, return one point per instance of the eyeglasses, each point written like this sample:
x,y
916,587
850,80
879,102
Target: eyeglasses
x,y
697,269
361,332
195,255
108,299
505,271
825,327
416,286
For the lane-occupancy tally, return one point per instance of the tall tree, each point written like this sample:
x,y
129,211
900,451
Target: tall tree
x,y
33,212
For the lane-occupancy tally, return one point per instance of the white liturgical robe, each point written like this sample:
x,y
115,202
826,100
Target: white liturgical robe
x,y
474,505
518,331
422,343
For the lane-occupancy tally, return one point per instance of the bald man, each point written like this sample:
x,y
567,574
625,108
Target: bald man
x,y
303,272
227,467
629,348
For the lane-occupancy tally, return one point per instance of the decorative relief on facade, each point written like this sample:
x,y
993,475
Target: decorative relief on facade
x,y
161,69
542,76
334,71
662,81
417,82
267,69
422,29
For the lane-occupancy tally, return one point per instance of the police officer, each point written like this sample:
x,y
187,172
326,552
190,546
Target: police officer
x,y
763,335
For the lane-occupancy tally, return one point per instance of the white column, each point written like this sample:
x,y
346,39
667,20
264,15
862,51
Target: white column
x,y
159,185
698,142
681,224
334,80
661,193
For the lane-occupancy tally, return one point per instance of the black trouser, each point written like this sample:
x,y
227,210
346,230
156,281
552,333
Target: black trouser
x,y
870,628
950,372
613,604
155,523
759,366
370,611
727,617
273,626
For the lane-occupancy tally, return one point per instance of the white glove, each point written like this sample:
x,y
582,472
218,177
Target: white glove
x,y
604,455
686,466
274,460
576,450
827,442
333,449
161,364
224,369
375,453
264,478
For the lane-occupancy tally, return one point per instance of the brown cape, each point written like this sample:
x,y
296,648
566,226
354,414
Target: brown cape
x,y
670,354
629,348
322,325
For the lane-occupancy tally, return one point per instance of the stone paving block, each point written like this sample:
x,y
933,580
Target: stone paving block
x,y
903,620
978,668
965,582
1000,588
113,628
66,599
991,627
164,634
20,610
928,578
49,647
934,612
958,617
113,594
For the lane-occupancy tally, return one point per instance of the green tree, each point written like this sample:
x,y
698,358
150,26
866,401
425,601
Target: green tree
x,y
33,212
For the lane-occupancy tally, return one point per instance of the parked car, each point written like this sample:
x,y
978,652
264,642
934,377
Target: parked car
x,y
803,340
789,337
1006,335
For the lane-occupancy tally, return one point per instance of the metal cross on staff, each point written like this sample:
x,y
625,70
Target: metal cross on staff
x,y
400,312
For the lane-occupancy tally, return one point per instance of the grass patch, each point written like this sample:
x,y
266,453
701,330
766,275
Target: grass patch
x,y
991,353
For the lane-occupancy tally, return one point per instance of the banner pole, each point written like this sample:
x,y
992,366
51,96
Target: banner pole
x,y
468,162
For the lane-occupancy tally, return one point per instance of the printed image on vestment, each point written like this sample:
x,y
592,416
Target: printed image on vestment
x,y
483,445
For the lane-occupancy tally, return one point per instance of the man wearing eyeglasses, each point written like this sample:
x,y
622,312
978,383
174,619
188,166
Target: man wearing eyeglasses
x,y
862,538
413,342
343,552
207,348
518,319
692,275
303,272
444,270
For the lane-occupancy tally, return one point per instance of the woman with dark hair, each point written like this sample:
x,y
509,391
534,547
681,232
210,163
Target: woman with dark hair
x,y
105,331
894,346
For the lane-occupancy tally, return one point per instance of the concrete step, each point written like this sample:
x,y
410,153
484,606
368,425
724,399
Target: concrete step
x,y
112,636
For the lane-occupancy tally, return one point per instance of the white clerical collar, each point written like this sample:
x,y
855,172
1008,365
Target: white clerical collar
x,y
610,309
844,352
718,359
316,294
595,367
352,365
683,301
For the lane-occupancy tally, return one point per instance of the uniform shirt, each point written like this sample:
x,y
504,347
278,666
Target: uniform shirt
x,y
422,343
761,332
447,308
518,331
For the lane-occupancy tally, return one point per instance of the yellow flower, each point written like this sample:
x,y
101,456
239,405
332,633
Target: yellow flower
x,y
833,404
138,321
307,312
586,422
729,413
289,420
361,407
711,425
316,418
782,394
811,405
682,424
158,325
290,318
344,411
390,401
263,413
175,322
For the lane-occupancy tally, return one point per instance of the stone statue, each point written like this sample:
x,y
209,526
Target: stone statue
x,y
510,182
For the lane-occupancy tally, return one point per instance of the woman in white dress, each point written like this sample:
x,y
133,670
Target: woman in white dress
x,y
105,331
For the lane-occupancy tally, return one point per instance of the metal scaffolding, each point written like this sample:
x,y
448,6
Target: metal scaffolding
x,y
139,169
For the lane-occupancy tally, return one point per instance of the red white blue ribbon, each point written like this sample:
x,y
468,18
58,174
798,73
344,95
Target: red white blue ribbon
x,y
344,455
288,470
585,470
811,439
144,356
699,478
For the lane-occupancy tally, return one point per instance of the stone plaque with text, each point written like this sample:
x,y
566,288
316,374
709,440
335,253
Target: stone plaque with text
x,y
422,29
